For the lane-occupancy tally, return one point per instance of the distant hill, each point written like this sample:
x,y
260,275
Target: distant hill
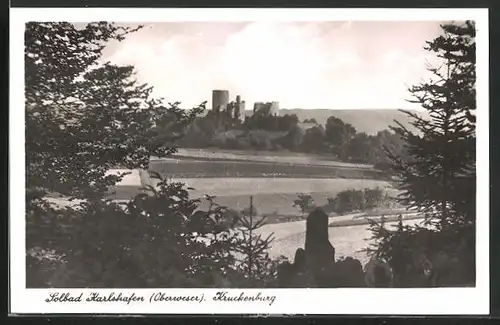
x,y
369,121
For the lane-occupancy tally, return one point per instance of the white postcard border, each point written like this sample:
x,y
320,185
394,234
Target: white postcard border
x,y
288,301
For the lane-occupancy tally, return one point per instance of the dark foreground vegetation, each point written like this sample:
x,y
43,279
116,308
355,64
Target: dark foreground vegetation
x,y
83,119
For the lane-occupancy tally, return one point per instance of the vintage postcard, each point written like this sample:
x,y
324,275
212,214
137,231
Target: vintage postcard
x,y
249,161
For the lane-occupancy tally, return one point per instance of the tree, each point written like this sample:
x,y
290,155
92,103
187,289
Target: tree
x,y
383,141
373,197
438,177
198,134
441,175
304,202
287,121
256,266
249,211
359,148
338,134
314,139
350,200
156,240
84,117
293,139
264,121
310,120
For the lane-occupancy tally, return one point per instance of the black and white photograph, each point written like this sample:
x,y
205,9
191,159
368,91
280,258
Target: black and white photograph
x,y
251,154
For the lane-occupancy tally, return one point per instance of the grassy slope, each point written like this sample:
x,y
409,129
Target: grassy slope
x,y
275,197
284,157
189,168
273,179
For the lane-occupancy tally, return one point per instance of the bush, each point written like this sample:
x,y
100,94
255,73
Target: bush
x,y
259,140
156,240
304,203
423,257
358,200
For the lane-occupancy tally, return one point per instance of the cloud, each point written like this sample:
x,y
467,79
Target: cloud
x,y
308,65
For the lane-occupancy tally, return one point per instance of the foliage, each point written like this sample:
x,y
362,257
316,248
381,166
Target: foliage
x,y
383,141
438,178
314,140
338,134
250,211
84,116
259,140
359,148
200,132
156,240
270,122
421,256
258,268
293,139
261,132
358,200
310,120
304,203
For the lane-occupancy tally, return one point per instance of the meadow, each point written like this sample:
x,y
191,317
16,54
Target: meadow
x,y
189,168
273,196
273,178
267,156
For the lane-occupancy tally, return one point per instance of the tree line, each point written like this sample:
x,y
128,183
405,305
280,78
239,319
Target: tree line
x,y
277,133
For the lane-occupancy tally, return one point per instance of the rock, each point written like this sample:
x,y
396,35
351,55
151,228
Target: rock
x,y
300,261
320,253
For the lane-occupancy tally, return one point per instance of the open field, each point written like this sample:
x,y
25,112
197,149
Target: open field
x,y
190,163
191,168
284,157
262,185
274,195
273,178
271,196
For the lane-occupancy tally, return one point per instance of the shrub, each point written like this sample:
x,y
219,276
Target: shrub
x,y
304,202
157,240
422,257
357,200
257,268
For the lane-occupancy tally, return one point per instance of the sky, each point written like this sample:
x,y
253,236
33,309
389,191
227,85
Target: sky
x,y
336,65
